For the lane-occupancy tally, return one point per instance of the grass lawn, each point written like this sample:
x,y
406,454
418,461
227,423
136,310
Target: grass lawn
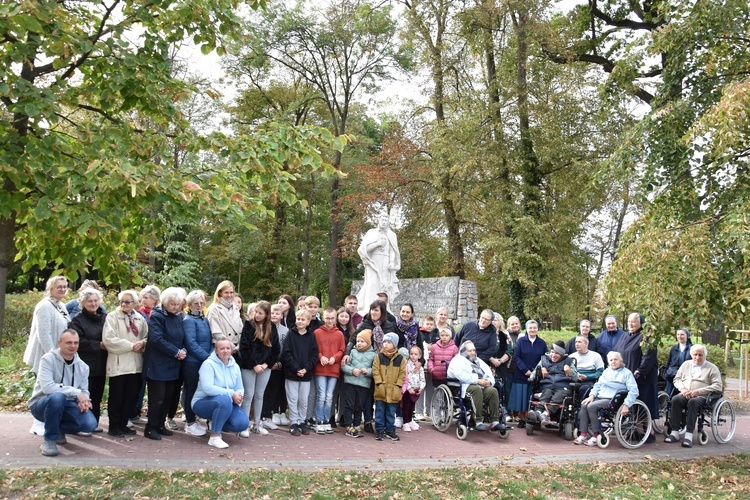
x,y
721,477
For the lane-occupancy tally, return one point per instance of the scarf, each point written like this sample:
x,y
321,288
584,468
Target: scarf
x,y
409,330
130,325
61,309
226,303
147,311
195,314
389,352
476,368
377,336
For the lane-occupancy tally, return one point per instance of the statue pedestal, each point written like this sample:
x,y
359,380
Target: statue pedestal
x,y
428,294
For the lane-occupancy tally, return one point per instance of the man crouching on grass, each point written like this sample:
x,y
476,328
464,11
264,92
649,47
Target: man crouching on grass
x,y
61,394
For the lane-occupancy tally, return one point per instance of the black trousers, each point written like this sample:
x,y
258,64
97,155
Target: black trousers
x,y
123,389
274,398
96,391
160,394
694,408
356,399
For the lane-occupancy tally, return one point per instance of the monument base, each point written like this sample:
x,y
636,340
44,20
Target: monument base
x,y
427,295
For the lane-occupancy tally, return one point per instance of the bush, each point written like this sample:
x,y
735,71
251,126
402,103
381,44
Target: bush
x,y
19,307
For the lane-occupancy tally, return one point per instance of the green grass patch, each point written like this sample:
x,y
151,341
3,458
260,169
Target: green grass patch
x,y
718,477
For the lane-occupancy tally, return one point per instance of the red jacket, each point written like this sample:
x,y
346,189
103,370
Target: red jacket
x,y
440,357
330,343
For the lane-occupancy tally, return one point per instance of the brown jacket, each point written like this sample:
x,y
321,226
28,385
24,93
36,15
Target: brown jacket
x,y
388,375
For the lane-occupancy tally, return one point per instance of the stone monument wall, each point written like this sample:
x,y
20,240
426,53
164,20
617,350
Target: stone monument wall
x,y
428,294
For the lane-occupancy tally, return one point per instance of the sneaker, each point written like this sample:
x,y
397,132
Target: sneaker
x,y
129,424
320,429
276,419
128,431
379,435
393,436
481,426
531,417
497,426
414,425
368,428
258,429
152,434
245,433
406,427
580,439
38,428
200,425
139,420
304,429
543,417
164,431
284,420
591,441
353,432
217,442
195,429
398,422
61,440
269,424
172,425
49,448
98,429
116,432
329,428
295,430
85,434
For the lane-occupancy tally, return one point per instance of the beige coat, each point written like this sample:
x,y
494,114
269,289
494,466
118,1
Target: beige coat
x,y
121,359
709,380
226,322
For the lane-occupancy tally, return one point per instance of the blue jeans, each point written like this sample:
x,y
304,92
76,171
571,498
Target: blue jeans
x,y
224,414
324,401
384,416
62,416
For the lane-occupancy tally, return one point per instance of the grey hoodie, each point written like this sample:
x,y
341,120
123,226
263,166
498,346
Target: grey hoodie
x,y
55,375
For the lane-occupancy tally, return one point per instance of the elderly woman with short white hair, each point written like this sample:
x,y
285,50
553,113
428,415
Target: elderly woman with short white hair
x,y
89,324
49,320
166,351
125,335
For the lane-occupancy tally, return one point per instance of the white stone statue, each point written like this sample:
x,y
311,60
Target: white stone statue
x,y
381,258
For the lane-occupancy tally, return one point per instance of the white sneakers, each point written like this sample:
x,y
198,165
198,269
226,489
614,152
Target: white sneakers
x,y
284,420
217,442
591,441
580,439
258,429
245,433
195,429
37,428
269,424
398,422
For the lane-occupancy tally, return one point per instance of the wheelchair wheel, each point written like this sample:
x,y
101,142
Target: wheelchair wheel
x,y
568,431
529,429
661,419
702,437
462,431
442,408
633,429
602,440
576,433
503,433
723,420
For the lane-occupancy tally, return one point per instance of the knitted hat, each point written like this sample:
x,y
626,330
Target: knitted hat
x,y
392,338
365,335
559,349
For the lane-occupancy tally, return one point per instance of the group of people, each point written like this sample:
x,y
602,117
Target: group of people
x,y
285,364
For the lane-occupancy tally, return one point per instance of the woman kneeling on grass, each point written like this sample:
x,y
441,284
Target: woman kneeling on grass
x,y
220,393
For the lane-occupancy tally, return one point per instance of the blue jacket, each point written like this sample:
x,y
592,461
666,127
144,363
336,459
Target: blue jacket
x,y
197,338
606,342
217,379
613,381
676,358
526,356
166,336
485,340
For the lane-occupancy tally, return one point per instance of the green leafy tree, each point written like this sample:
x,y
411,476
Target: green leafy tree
x,y
90,108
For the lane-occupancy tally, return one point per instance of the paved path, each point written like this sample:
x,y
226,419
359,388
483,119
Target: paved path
x,y
426,448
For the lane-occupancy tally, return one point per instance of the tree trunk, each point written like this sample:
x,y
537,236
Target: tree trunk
x,y
7,252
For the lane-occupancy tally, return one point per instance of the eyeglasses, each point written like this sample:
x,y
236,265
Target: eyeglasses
x,y
328,319
126,302
61,287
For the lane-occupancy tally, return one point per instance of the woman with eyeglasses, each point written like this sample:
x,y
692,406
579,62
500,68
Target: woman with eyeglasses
x,y
49,320
124,335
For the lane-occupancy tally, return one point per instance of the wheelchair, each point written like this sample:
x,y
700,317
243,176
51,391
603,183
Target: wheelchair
x,y
718,412
631,430
564,420
448,406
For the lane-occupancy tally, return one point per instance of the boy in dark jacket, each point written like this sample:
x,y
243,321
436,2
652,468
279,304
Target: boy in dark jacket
x,y
298,358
